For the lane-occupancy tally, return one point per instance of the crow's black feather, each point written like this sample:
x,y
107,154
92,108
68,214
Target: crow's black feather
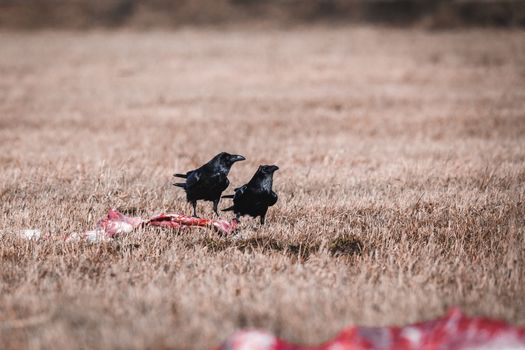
x,y
209,181
256,196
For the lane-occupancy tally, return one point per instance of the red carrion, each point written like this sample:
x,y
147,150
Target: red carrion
x,y
454,331
116,223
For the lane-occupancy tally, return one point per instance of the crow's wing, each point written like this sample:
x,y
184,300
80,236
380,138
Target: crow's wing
x,y
203,183
193,178
239,191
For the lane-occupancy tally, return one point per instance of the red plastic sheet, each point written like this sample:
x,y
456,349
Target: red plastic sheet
x,y
454,331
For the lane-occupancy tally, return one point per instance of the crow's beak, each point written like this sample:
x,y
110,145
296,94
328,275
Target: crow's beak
x,y
237,158
274,168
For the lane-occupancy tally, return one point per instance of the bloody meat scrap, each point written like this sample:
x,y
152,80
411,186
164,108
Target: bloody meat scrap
x,y
116,224
455,331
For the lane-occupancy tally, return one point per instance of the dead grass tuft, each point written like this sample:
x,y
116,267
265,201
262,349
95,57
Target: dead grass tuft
x,y
345,245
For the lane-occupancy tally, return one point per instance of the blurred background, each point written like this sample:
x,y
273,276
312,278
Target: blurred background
x,y
80,14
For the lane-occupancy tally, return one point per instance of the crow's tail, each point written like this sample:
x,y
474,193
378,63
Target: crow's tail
x,y
184,176
180,184
228,209
228,196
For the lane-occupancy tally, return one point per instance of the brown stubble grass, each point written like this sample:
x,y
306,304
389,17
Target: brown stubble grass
x,y
401,185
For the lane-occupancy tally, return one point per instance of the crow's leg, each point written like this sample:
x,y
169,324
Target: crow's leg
x,y
263,216
194,204
215,206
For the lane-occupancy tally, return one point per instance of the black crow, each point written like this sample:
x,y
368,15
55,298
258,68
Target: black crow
x,y
256,196
208,181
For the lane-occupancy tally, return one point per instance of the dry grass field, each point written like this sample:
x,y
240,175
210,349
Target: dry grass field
x,y
401,181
